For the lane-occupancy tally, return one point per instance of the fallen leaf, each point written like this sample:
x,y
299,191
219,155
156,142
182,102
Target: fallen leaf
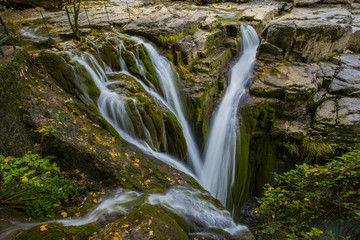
x,y
64,214
43,227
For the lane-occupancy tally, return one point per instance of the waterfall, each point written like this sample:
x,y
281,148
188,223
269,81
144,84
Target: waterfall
x,y
167,78
112,108
218,172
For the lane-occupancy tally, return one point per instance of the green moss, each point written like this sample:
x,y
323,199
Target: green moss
x,y
110,55
176,143
179,219
130,62
150,69
58,69
248,19
192,31
168,40
162,226
313,151
58,231
136,122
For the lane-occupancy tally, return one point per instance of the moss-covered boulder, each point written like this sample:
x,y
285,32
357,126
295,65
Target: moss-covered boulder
x,y
58,69
110,55
176,142
57,231
147,221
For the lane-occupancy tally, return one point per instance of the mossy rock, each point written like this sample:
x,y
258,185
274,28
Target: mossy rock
x,y
110,55
57,231
86,84
147,221
176,143
16,76
58,69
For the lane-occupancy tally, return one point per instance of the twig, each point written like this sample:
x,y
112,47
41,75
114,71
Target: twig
x,y
128,9
87,16
45,25
175,15
107,14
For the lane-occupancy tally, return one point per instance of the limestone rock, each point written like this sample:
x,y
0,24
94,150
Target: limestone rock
x,y
309,35
288,82
349,114
295,130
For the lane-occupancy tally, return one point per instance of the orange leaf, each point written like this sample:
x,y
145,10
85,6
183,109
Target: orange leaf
x,y
43,227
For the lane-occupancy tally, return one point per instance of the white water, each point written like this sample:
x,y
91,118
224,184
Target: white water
x,y
200,213
192,204
167,78
218,172
111,107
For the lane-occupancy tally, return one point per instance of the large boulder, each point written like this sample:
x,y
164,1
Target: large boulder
x,y
307,35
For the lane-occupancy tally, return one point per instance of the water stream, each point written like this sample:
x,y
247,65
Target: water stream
x,y
218,173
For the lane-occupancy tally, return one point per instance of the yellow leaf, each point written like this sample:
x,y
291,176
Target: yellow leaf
x,y
117,236
41,130
113,140
64,214
25,179
43,227
7,159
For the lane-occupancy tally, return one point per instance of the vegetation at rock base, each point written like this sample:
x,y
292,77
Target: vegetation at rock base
x,y
34,184
313,201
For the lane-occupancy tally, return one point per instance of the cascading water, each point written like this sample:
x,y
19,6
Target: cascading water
x,y
167,78
111,107
218,172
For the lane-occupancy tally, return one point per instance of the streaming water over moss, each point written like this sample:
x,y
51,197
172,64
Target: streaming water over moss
x,y
218,174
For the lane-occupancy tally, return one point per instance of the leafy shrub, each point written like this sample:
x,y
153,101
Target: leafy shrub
x,y
310,200
34,184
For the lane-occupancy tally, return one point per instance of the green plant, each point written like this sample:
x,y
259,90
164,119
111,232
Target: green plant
x,y
167,40
310,199
34,184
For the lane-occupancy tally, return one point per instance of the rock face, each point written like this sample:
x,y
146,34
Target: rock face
x,y
307,35
304,96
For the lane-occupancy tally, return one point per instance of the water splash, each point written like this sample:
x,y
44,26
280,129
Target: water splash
x,y
192,204
218,172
